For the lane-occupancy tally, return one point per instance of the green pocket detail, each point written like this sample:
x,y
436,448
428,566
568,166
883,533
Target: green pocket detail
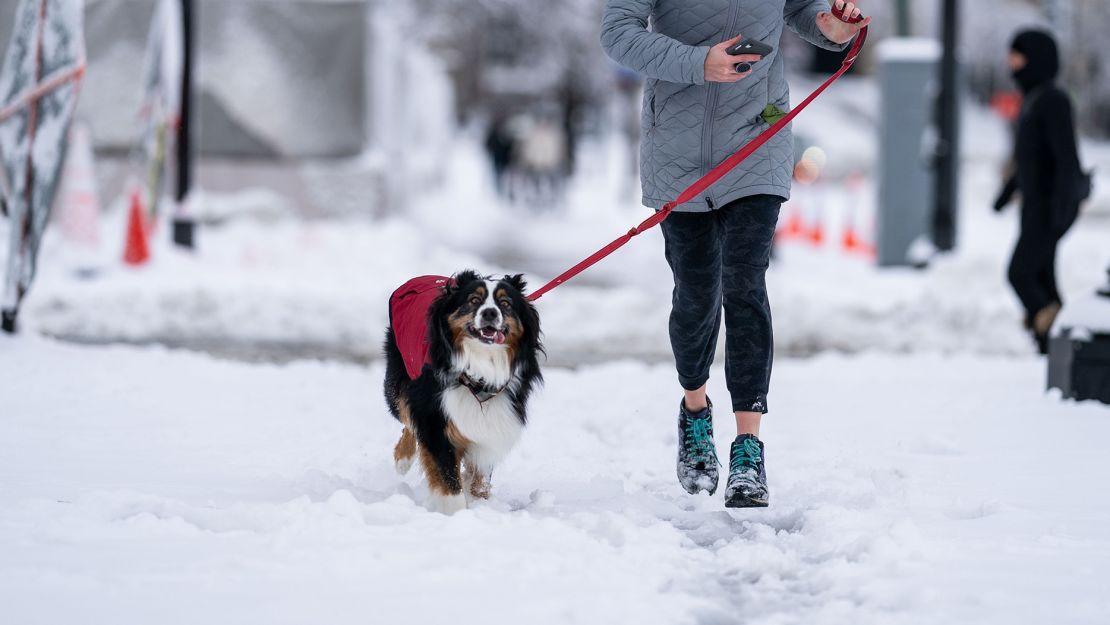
x,y
772,114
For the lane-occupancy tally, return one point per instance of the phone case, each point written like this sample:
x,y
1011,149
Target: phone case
x,y
750,46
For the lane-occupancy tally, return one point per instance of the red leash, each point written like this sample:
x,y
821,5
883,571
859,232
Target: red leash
x,y
713,176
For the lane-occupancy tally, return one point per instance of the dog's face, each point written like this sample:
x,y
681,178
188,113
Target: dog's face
x,y
492,312
483,311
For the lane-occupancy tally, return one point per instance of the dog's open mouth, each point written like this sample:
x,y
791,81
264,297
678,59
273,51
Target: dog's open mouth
x,y
488,335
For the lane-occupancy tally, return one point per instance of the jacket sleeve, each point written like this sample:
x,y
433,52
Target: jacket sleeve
x,y
627,40
801,17
1060,132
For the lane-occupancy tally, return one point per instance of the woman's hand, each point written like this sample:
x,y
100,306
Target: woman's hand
x,y
838,29
720,66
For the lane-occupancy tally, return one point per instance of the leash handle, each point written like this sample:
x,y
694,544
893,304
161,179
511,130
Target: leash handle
x,y
714,174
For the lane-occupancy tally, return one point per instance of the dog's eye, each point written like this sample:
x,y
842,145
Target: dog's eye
x,y
475,301
505,305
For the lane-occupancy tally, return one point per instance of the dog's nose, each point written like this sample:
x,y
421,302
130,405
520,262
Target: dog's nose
x,y
489,315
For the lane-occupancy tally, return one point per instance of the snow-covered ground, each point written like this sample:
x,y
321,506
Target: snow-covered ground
x,y
147,486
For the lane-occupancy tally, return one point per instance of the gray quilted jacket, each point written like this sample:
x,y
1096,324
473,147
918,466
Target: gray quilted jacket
x,y
689,125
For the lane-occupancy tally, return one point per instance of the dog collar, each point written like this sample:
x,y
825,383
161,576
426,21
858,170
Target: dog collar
x,y
479,389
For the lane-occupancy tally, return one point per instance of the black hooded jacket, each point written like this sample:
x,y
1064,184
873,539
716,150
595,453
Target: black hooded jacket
x,y
1045,149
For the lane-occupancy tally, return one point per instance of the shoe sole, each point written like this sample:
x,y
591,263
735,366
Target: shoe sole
x,y
694,489
745,503
698,490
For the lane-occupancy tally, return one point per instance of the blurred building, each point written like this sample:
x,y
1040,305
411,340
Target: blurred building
x,y
281,85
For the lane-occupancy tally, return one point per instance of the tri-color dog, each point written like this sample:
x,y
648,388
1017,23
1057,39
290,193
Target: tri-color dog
x,y
459,378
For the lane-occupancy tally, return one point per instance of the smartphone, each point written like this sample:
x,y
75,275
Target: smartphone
x,y
749,46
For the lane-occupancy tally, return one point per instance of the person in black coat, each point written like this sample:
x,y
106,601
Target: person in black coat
x,y
1046,173
500,146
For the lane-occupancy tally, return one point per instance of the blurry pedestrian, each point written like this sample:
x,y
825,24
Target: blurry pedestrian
x,y
499,147
571,101
697,110
1047,175
542,159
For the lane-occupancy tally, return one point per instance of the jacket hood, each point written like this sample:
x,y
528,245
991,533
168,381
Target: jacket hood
x,y
1042,59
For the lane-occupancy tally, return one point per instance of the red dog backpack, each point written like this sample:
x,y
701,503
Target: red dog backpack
x,y
408,316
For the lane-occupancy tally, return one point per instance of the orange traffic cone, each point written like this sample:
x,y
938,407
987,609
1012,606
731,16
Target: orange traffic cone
x,y
136,251
794,226
851,242
855,245
816,235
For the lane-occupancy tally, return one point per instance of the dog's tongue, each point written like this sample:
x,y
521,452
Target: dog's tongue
x,y
497,336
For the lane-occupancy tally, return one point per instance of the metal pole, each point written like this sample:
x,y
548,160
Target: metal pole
x,y
902,16
948,126
184,227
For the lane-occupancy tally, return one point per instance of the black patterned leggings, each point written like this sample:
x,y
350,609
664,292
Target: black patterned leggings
x,y
719,260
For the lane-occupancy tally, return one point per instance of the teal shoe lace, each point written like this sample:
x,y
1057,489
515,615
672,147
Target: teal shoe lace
x,y
746,455
699,440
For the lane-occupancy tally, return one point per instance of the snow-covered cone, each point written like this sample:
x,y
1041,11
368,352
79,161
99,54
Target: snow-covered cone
x,y
78,203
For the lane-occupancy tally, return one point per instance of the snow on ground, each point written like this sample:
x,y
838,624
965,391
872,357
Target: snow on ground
x,y
142,485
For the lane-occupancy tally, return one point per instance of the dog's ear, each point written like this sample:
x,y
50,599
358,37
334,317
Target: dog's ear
x,y
532,333
464,277
517,282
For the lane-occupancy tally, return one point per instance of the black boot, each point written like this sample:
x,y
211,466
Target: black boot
x,y
747,476
7,321
697,453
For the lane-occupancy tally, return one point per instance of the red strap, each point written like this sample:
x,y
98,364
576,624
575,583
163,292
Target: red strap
x,y
713,176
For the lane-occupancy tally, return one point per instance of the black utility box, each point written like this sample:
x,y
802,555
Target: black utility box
x,y
1080,367
1079,351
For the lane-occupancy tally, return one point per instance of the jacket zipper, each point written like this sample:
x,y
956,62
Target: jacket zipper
x,y
711,102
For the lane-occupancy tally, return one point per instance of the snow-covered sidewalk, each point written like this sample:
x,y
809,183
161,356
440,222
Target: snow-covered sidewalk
x,y
145,486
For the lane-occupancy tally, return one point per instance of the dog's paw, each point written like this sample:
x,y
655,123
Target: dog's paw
x,y
403,465
479,488
448,504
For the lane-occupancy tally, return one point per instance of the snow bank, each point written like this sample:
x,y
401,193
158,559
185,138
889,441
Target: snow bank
x,y
1085,316
266,284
